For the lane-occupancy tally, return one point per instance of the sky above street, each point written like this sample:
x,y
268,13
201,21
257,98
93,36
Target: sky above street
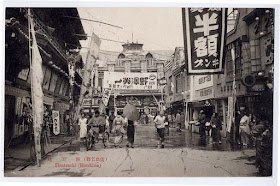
x,y
156,28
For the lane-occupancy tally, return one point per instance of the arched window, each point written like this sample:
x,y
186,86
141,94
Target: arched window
x,y
149,56
121,56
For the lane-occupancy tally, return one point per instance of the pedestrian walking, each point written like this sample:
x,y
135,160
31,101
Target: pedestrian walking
x,y
130,133
202,121
118,129
159,124
252,125
83,126
244,129
237,126
147,119
182,120
166,125
178,121
216,125
111,119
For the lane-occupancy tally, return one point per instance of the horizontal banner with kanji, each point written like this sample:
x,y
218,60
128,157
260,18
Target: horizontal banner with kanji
x,y
205,31
130,81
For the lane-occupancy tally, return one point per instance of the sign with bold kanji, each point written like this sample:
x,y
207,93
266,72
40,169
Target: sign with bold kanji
x,y
205,34
130,81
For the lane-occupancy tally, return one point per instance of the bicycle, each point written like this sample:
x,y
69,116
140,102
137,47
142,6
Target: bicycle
x,y
94,134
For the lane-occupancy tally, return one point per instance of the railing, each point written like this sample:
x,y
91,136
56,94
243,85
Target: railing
x,y
42,28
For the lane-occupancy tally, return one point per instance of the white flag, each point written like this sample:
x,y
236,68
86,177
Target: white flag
x,y
37,92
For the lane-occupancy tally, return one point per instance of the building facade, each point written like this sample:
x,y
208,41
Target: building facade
x,y
252,39
250,33
133,59
55,39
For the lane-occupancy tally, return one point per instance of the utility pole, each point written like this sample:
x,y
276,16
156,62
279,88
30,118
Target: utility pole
x,y
71,68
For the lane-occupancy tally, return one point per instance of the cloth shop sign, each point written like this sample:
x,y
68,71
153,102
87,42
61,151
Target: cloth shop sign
x,y
203,87
130,81
205,31
56,124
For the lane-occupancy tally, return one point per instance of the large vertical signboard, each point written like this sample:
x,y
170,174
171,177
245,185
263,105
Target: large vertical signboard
x,y
205,34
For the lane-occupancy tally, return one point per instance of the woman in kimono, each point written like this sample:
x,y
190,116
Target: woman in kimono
x,y
83,126
244,129
118,129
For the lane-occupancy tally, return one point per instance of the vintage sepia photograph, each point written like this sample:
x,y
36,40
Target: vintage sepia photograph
x,y
139,92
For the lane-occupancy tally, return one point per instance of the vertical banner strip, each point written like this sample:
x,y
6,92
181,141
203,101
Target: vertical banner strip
x,y
234,90
37,93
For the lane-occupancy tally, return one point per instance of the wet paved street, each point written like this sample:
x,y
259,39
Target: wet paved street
x,y
182,156
147,137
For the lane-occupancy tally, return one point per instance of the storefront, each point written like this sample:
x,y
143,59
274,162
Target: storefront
x,y
141,102
201,98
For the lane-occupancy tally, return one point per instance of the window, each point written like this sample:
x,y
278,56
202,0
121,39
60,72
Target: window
x,y
170,84
178,82
53,82
47,79
58,84
121,56
149,56
231,19
183,82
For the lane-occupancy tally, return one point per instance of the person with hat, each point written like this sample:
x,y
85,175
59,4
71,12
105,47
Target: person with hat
x,y
98,121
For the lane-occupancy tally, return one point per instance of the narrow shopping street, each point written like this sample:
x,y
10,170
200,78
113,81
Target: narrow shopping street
x,y
91,92
182,156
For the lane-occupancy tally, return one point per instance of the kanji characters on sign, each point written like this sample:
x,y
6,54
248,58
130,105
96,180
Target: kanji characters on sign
x,y
205,39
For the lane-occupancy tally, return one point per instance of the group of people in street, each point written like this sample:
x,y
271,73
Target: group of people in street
x,y
244,125
119,126
212,127
116,125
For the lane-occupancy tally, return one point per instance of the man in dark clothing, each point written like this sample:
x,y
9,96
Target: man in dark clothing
x,y
263,133
202,121
237,125
111,119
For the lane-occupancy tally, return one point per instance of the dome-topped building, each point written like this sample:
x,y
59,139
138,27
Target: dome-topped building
x,y
134,59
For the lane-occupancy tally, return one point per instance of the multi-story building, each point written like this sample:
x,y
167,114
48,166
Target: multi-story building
x,y
252,39
133,59
56,37
250,34
177,81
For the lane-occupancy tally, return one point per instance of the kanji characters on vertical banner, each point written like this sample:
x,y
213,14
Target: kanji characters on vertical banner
x,y
104,99
205,39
